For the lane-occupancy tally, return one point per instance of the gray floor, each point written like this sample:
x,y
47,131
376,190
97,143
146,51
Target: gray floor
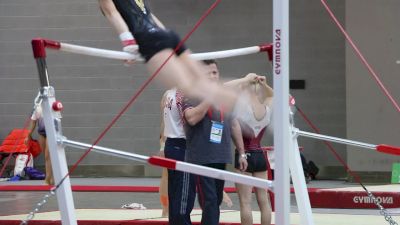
x,y
22,202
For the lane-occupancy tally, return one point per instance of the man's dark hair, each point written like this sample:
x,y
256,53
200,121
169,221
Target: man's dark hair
x,y
210,61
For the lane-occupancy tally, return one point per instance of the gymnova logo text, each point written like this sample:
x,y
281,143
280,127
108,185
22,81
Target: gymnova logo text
x,y
367,199
277,48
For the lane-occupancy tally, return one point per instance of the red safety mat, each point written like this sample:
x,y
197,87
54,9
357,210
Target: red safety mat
x,y
15,142
319,198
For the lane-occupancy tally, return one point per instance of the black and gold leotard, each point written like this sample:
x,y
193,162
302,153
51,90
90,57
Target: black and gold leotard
x,y
137,15
149,36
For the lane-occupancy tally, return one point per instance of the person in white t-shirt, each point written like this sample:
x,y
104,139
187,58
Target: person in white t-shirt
x,y
181,194
173,145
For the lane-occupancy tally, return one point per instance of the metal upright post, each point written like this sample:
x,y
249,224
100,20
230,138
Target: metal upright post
x,y
282,134
52,120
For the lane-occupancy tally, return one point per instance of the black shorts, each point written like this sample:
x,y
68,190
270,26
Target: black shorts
x,y
155,40
256,160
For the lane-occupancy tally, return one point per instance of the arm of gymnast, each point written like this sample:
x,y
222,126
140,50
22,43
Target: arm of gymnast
x,y
236,133
244,81
109,10
267,94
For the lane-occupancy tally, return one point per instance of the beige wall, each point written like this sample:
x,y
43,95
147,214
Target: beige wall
x,y
371,118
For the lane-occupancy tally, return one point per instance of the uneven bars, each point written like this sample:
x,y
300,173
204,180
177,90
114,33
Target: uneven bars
x,y
175,165
111,54
388,149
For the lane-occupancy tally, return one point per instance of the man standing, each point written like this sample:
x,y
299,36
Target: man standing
x,y
181,185
208,131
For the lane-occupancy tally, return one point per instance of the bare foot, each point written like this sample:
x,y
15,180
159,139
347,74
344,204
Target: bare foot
x,y
164,212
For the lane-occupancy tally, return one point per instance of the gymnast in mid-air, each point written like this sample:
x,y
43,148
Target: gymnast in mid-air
x,y
139,30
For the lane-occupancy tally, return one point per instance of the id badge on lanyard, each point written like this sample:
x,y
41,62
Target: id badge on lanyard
x,y
216,128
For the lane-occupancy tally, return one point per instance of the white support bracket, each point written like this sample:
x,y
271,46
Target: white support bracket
x,y
299,181
52,120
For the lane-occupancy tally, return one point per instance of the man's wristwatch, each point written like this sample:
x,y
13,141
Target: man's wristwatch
x,y
243,156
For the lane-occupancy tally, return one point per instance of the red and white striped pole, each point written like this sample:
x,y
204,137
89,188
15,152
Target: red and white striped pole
x,y
175,165
211,172
387,149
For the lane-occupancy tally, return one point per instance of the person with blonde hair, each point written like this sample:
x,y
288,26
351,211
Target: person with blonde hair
x,y
254,115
